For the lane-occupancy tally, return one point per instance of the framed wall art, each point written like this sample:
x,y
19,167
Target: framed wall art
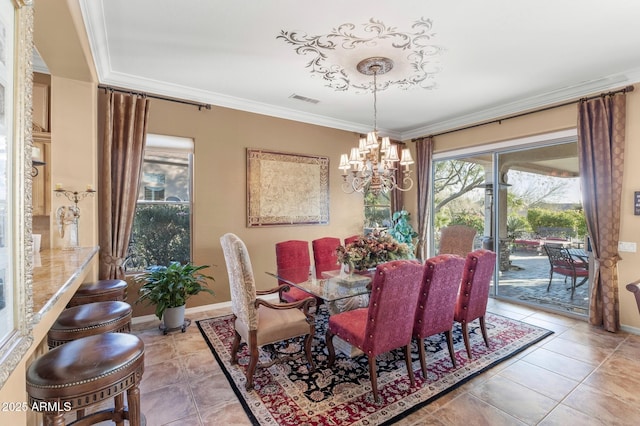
x,y
286,189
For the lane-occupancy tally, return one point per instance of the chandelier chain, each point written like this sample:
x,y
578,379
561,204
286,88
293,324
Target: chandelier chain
x,y
375,100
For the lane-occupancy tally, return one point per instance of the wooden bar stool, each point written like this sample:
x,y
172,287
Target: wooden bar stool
x,y
99,291
88,371
88,320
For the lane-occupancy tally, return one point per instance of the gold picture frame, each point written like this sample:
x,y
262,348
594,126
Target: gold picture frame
x,y
286,189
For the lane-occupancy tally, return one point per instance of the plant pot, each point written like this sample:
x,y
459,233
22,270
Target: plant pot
x,y
173,317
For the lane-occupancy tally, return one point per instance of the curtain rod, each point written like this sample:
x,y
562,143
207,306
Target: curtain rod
x,y
148,95
499,120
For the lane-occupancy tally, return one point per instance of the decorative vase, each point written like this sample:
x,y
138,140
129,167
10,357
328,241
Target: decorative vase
x,y
173,317
348,268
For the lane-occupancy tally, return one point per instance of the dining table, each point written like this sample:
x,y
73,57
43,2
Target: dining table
x,y
340,292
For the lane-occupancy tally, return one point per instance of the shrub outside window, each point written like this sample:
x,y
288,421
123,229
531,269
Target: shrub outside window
x,y
162,224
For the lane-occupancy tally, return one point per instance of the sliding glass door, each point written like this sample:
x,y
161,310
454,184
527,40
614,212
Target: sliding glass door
x,y
519,200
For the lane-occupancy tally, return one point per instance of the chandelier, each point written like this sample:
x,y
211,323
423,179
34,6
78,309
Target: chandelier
x,y
373,164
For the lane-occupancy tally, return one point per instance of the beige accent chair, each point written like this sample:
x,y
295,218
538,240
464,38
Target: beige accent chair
x,y
258,322
457,239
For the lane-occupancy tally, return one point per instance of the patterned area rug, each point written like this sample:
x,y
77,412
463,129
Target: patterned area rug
x,y
289,394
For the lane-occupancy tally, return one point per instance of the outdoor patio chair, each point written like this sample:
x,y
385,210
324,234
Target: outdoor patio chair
x,y
562,262
258,322
436,302
387,322
474,293
457,239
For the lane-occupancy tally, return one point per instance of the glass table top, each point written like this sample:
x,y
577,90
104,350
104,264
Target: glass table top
x,y
334,286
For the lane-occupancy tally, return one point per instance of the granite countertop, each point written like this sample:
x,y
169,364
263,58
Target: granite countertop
x,y
54,272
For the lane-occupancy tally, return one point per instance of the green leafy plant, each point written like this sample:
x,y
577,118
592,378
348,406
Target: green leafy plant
x,y
160,235
402,231
171,286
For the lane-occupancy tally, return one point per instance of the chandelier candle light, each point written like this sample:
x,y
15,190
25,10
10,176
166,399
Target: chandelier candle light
x,y
372,165
67,216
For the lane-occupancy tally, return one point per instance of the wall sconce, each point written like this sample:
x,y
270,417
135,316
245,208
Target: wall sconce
x,y
67,217
36,161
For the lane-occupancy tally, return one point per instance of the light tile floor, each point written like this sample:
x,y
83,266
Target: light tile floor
x,y
580,375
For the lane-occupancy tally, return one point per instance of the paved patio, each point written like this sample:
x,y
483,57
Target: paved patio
x,y
527,281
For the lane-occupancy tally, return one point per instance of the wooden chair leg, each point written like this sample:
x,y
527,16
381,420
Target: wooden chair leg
x,y
54,419
407,360
118,409
133,412
483,328
465,335
332,351
307,350
452,354
234,348
423,357
253,359
373,375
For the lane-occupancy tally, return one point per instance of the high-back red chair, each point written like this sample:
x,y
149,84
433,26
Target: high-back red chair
x,y
325,257
436,302
351,239
387,322
293,263
474,292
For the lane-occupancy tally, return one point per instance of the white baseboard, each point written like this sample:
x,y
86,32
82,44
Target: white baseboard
x,y
198,309
630,330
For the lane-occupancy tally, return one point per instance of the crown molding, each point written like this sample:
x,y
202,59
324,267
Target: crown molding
x,y
529,104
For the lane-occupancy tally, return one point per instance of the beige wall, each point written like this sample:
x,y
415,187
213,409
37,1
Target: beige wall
x,y
219,203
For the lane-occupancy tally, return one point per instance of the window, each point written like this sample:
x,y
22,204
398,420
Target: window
x,y
162,223
377,211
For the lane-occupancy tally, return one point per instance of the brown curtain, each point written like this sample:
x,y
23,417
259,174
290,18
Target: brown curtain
x,y
424,154
125,131
397,197
601,129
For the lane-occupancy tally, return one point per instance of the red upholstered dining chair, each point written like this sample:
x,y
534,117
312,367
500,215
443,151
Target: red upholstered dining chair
x,y
474,292
351,239
436,302
258,322
387,322
325,257
457,239
294,263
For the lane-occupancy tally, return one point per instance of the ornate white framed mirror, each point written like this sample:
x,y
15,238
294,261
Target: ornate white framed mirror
x,y
16,252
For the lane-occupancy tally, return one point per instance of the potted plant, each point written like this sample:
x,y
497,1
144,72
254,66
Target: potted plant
x,y
169,287
402,230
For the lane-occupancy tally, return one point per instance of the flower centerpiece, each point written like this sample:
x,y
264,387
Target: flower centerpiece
x,y
368,251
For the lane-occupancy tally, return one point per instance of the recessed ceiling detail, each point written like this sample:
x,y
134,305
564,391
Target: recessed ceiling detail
x,y
334,56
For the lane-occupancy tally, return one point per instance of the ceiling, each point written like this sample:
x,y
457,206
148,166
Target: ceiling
x,y
455,63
